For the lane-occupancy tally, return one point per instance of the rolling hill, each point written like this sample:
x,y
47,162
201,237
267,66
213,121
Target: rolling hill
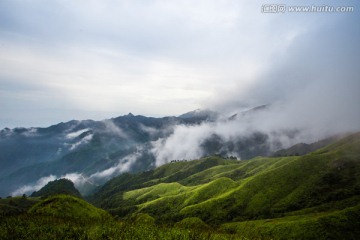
x,y
279,197
315,196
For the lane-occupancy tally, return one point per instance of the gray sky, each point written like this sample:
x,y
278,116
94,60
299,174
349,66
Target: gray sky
x,y
63,60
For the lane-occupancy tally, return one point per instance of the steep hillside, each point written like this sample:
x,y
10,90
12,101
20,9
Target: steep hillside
x,y
315,188
92,152
66,206
60,186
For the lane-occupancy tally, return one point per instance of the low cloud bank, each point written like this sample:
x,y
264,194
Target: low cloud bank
x,y
260,132
28,189
80,180
312,89
123,165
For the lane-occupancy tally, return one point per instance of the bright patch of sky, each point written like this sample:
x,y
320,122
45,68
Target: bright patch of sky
x,y
64,60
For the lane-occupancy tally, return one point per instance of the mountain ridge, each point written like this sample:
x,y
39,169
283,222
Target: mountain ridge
x,y
92,152
318,189
314,196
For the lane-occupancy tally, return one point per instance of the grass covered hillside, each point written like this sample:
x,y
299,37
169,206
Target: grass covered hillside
x,y
69,217
315,196
66,206
59,186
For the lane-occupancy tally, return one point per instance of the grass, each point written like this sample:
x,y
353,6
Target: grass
x,y
16,205
294,194
315,196
66,217
341,224
66,206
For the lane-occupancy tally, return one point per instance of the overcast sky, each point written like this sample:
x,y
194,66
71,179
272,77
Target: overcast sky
x,y
81,59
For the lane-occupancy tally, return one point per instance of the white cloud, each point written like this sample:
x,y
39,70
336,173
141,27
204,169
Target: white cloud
x,y
123,165
77,178
158,57
32,132
113,129
184,143
73,135
84,140
30,188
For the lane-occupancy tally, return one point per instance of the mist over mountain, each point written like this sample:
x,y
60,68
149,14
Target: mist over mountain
x,y
249,125
89,153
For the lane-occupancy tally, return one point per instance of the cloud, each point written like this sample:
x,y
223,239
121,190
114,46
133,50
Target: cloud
x,y
73,135
113,129
84,140
184,143
32,132
30,188
78,179
312,94
150,130
167,58
123,165
113,57
83,181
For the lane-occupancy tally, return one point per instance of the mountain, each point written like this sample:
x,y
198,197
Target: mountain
x,y
301,149
56,187
315,196
199,115
90,153
83,148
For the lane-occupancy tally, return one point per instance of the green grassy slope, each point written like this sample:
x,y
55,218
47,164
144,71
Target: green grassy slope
x,y
342,224
107,195
316,196
68,217
66,206
56,187
218,191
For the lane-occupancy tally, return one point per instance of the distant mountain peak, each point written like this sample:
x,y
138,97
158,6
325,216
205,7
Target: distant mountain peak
x,y
201,114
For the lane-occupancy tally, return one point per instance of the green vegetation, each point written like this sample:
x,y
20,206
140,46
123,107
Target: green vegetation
x,y
284,192
66,206
315,196
59,186
67,217
192,223
16,205
342,224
